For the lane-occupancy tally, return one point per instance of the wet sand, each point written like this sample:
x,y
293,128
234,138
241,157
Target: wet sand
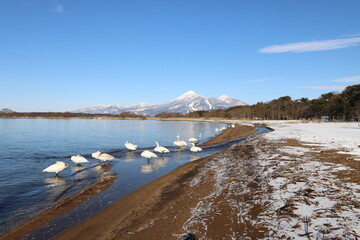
x,y
231,134
125,210
59,208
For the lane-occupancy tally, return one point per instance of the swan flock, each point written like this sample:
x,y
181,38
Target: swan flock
x,y
105,157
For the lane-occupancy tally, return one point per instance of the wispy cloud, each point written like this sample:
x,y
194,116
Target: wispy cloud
x,y
351,35
312,46
328,88
58,8
353,79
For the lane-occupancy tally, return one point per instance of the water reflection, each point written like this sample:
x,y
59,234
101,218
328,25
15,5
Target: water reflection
x,y
147,168
102,169
54,181
57,187
161,162
158,163
77,168
129,156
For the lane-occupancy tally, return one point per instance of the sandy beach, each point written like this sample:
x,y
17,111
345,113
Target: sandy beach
x,y
276,185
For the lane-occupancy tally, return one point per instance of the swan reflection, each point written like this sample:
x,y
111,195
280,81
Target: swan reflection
x,y
130,156
54,181
158,163
57,186
102,168
77,168
147,168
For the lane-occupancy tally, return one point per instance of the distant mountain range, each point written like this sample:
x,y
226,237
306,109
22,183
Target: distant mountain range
x,y
188,102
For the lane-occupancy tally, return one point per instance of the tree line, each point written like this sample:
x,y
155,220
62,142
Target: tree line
x,y
336,106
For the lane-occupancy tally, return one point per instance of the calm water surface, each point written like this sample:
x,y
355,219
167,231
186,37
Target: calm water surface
x,y
27,146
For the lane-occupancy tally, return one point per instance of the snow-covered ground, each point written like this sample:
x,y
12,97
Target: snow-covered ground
x,y
302,196
342,136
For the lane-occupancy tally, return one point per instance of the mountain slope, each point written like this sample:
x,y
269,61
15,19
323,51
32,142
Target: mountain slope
x,y
188,102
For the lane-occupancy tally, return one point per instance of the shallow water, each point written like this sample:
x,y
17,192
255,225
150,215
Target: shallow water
x,y
30,145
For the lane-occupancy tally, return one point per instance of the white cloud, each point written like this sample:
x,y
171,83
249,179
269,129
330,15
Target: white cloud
x,y
351,35
353,79
330,88
58,8
312,45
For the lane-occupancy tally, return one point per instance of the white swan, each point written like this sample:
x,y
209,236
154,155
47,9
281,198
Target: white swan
x,y
106,157
216,130
194,148
130,146
102,156
56,167
79,159
178,142
233,125
160,149
96,154
148,154
193,140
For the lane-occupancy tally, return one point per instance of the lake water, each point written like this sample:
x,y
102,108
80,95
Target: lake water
x,y
30,145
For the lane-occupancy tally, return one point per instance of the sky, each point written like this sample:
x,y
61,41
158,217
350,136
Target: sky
x,y
60,55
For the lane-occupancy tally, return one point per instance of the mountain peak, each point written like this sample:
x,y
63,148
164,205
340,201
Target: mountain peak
x,y
189,94
224,97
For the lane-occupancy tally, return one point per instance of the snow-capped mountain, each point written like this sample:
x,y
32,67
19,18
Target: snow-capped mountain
x,y
188,102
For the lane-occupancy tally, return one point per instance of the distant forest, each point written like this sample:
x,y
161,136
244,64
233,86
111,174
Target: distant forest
x,y
344,106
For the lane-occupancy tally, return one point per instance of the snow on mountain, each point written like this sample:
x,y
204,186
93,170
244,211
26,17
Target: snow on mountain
x,y
231,101
188,102
93,109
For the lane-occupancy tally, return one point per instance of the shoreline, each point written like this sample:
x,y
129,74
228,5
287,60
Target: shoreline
x,y
230,134
261,188
73,201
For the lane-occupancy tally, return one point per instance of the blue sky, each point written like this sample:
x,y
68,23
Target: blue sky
x,y
59,55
